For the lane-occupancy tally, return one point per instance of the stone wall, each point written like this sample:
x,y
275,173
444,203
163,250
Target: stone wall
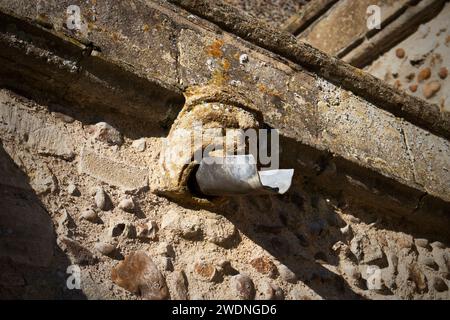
x,y
82,121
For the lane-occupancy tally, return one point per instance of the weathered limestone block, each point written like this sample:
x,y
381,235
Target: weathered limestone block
x,y
26,124
431,160
363,134
345,24
112,172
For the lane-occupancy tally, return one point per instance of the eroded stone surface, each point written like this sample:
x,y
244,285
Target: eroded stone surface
x,y
115,173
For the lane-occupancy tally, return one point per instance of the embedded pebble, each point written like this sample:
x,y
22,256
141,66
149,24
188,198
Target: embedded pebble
x,y
287,274
392,261
206,271
106,133
389,278
179,286
431,88
424,74
147,230
242,286
355,247
187,226
139,145
139,274
400,53
264,266
44,182
104,248
89,214
100,199
191,229
65,224
73,190
441,261
124,229
271,291
413,87
373,278
443,73
126,204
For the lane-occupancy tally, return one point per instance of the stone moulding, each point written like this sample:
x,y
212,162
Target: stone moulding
x,y
402,105
123,67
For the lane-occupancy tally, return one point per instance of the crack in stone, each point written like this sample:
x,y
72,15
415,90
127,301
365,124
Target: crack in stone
x,y
410,155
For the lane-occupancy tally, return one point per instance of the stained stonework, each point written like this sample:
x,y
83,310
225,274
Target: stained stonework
x,y
426,62
83,121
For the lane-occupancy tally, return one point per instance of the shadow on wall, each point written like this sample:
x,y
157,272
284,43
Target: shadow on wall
x,y
300,228
32,266
299,232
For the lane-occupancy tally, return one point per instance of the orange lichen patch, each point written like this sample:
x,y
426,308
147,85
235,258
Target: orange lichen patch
x,y
226,64
262,88
215,49
145,28
219,78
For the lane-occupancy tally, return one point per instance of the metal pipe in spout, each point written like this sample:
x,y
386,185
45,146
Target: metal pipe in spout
x,y
238,175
